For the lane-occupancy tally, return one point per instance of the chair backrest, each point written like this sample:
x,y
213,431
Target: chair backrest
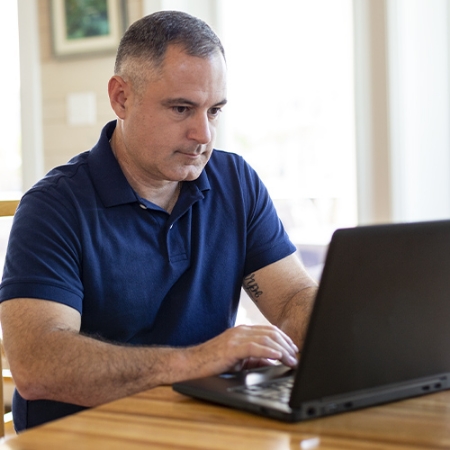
x,y
7,208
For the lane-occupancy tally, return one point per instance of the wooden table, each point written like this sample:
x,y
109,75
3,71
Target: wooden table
x,y
163,419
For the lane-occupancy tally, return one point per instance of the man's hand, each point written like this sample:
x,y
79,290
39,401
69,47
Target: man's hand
x,y
249,346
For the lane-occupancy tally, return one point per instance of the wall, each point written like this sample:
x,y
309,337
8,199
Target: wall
x,y
402,92
419,113
62,77
372,115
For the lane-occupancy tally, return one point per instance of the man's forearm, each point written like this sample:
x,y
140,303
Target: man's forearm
x,y
77,369
284,292
294,319
58,363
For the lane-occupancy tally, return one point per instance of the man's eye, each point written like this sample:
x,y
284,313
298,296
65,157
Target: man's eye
x,y
215,111
180,109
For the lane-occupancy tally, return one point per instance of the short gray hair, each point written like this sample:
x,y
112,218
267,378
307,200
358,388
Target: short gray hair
x,y
147,39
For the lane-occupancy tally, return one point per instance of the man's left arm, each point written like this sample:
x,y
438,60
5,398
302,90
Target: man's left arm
x,y
284,292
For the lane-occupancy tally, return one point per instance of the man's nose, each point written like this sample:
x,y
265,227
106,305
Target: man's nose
x,y
200,129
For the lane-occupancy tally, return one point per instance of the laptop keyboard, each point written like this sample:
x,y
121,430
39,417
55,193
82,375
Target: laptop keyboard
x,y
277,390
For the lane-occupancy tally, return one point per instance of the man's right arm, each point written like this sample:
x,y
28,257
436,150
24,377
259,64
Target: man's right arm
x,y
50,359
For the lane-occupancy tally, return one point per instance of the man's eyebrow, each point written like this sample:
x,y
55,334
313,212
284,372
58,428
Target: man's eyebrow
x,y
222,102
184,101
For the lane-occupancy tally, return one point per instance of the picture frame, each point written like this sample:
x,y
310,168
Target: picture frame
x,y
81,27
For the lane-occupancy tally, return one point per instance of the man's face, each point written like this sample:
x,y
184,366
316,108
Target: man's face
x,y
168,130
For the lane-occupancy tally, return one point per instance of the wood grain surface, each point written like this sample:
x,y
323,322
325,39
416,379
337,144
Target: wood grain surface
x,y
163,419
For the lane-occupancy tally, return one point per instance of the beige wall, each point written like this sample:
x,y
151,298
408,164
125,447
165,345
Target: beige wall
x,y
61,77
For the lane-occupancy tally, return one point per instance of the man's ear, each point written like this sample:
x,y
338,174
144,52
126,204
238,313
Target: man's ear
x,y
118,91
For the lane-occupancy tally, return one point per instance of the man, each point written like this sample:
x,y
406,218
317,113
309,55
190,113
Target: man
x,y
124,266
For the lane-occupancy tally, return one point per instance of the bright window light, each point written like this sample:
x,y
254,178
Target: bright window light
x,y
10,155
291,107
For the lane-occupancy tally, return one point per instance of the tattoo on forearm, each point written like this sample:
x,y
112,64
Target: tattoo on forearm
x,y
251,286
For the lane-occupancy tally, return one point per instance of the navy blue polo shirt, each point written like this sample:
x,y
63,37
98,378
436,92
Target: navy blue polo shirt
x,y
136,274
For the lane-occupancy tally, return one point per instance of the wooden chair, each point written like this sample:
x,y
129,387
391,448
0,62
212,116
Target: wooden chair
x,y
7,208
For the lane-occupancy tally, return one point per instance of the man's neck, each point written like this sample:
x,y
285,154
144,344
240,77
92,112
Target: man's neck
x,y
162,193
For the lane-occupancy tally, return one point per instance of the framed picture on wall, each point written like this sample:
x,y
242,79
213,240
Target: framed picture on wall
x,y
86,26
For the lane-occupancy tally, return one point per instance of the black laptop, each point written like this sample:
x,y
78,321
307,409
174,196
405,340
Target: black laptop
x,y
379,331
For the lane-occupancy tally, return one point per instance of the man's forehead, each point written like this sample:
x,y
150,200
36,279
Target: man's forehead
x,y
193,72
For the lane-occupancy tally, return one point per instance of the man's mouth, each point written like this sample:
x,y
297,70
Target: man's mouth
x,y
191,154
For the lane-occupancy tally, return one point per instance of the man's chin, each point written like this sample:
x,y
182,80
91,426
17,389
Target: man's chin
x,y
192,172
192,175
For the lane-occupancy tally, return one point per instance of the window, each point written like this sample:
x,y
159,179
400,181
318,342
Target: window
x,y
291,114
291,107
10,157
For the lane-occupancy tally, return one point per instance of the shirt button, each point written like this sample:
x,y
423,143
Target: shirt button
x,y
142,206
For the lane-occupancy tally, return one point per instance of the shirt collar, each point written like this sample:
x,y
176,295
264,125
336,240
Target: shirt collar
x,y
108,178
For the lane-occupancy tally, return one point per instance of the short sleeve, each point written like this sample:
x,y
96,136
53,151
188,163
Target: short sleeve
x,y
43,256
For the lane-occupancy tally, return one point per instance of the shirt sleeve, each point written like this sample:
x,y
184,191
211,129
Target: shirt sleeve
x,y
43,255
